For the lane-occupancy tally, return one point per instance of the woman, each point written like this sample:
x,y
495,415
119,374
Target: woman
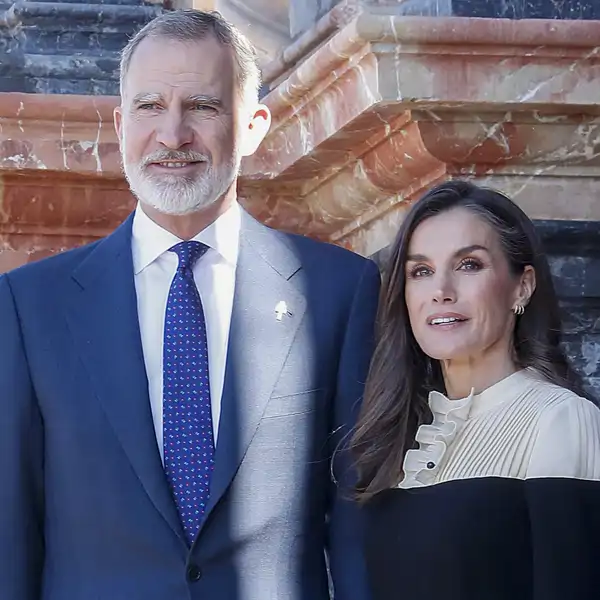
x,y
478,460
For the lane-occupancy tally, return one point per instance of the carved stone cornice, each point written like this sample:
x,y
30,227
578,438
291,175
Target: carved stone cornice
x,y
391,105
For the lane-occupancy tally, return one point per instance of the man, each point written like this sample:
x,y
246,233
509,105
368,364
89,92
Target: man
x,y
172,395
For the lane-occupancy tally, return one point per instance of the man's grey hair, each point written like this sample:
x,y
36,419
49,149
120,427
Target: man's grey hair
x,y
192,25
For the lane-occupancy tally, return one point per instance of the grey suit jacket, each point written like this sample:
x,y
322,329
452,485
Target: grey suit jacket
x,y
85,511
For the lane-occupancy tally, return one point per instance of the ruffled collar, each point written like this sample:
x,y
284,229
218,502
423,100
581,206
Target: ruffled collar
x,y
422,465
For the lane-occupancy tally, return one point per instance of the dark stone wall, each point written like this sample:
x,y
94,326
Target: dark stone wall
x,y
507,9
304,13
573,251
66,47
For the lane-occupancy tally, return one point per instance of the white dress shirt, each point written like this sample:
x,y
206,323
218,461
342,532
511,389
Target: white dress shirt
x,y
214,273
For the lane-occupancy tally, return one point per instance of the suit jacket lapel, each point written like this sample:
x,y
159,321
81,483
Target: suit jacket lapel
x,y
104,322
258,343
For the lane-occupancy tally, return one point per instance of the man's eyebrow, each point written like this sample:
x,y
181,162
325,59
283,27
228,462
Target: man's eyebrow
x,y
194,99
146,97
204,99
459,252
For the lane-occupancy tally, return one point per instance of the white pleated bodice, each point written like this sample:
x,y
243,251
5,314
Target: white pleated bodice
x,y
521,427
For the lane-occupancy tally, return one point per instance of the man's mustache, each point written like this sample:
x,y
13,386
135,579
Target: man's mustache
x,y
175,156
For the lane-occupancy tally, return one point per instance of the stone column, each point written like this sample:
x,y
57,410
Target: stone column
x,y
573,246
67,47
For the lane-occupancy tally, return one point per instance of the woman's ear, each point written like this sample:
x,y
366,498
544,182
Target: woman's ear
x,y
527,286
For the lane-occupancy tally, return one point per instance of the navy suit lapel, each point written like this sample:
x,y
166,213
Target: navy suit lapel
x,y
104,322
258,343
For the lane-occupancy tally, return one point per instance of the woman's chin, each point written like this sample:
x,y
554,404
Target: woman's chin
x,y
453,354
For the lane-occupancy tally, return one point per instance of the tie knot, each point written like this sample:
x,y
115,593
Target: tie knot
x,y
188,253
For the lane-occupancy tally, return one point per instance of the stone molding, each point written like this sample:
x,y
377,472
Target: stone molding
x,y
52,132
60,178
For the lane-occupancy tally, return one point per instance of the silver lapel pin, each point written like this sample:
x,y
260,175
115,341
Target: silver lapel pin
x,y
282,309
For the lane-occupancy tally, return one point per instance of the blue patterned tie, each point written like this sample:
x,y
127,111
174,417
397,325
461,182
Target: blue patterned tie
x,y
187,419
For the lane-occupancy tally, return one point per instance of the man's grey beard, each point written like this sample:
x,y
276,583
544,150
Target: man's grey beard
x,y
180,194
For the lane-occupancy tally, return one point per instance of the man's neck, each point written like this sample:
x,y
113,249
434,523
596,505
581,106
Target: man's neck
x,y
188,226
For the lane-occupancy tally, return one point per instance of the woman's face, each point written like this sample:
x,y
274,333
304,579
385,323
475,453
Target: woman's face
x,y
459,289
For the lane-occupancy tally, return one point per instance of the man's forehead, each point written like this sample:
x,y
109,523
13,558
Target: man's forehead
x,y
182,63
160,46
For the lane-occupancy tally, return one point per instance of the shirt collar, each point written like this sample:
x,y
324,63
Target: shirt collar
x,y
149,240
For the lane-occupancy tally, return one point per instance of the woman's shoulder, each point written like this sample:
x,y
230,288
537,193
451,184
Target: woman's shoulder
x,y
549,397
567,443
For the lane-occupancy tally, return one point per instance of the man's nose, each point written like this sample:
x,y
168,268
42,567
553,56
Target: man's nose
x,y
174,131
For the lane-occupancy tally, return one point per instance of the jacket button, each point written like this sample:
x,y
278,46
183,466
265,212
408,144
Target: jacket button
x,y
194,573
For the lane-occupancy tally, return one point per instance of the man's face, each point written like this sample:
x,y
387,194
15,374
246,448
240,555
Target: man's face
x,y
178,124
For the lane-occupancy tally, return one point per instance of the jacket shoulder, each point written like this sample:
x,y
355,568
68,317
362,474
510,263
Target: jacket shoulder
x,y
46,270
328,250
323,255
317,258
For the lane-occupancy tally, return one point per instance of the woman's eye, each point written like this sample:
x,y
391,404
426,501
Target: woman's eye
x,y
470,264
419,271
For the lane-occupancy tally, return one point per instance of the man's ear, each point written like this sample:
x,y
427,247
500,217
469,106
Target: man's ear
x,y
255,130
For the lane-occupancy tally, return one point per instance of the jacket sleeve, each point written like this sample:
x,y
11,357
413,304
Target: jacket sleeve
x,y
564,523
21,456
563,496
345,543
